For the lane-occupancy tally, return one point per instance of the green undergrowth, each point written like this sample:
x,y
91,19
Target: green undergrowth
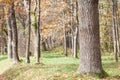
x,y
55,66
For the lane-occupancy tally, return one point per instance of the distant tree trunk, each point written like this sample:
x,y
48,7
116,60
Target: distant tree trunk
x,y
44,46
77,22
65,42
64,31
76,32
14,34
118,44
9,46
2,41
72,39
47,44
90,57
115,30
75,44
2,35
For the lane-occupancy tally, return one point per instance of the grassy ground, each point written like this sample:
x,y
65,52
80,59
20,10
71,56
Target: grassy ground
x,y
54,67
4,63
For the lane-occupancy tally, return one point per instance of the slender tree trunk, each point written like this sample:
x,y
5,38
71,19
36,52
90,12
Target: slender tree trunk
x,y
65,42
44,46
2,41
72,39
15,35
76,32
29,30
114,22
90,57
37,47
9,46
75,44
64,30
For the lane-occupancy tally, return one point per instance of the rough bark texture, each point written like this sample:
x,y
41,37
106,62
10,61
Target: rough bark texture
x,y
15,35
90,57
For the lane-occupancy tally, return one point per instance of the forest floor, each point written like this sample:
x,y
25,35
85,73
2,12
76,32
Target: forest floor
x,y
54,66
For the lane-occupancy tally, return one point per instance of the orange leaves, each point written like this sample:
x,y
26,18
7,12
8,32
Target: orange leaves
x,y
7,1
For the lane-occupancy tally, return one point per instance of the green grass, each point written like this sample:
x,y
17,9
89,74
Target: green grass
x,y
54,67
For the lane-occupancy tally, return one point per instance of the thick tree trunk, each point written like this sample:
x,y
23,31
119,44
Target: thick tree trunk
x,y
15,35
90,57
9,46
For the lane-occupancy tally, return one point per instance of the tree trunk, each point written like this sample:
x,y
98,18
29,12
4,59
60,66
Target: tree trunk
x,y
9,46
15,35
29,30
90,57
44,46
114,22
2,41
37,47
75,44
65,41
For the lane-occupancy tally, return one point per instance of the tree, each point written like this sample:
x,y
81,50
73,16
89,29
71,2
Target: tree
x,y
36,30
14,34
28,9
9,26
90,57
115,29
38,34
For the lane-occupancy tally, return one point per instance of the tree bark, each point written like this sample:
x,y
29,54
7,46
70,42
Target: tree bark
x,y
28,9
15,35
115,32
9,46
90,57
37,47
75,44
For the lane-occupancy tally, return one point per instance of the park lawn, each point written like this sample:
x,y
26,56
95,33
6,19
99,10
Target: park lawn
x,y
54,66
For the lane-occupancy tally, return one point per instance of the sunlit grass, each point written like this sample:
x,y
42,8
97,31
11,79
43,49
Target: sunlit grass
x,y
4,63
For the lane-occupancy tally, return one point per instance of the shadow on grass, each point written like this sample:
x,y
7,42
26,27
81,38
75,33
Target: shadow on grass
x,y
112,69
113,65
